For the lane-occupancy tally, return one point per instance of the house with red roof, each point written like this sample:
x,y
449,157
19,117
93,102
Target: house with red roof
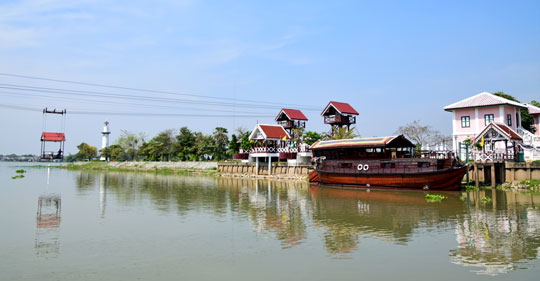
x,y
291,119
269,142
472,115
339,114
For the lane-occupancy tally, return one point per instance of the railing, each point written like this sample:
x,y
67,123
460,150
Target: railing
x,y
344,119
263,150
529,138
52,155
292,124
492,156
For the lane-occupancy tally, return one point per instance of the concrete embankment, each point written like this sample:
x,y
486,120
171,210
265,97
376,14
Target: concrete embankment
x,y
278,170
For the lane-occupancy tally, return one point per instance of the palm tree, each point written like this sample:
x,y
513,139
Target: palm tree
x,y
339,133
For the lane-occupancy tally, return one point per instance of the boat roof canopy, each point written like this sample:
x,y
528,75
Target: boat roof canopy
x,y
393,141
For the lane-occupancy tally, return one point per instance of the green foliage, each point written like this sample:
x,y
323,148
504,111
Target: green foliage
x,y
86,152
527,120
234,145
311,137
339,133
462,198
535,103
486,200
20,171
111,152
434,197
220,140
246,144
470,188
185,144
130,144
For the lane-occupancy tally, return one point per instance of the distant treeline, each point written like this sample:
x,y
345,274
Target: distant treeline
x,y
175,145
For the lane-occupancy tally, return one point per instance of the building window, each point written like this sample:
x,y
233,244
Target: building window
x,y
517,120
509,119
488,118
465,121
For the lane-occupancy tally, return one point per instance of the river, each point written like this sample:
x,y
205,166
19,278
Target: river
x,y
57,224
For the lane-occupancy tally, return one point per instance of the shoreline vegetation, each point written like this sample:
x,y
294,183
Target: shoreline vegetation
x,y
163,168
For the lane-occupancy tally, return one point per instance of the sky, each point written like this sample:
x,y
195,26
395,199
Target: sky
x,y
241,61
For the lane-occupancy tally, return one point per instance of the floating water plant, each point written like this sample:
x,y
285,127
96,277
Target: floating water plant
x,y
20,171
17,177
434,197
486,200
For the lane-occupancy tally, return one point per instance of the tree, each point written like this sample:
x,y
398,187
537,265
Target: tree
x,y
297,134
246,144
339,133
418,133
234,145
130,143
311,137
204,146
220,140
111,152
527,120
535,103
86,151
185,144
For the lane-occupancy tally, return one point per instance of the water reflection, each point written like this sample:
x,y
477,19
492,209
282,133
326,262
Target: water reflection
x,y
47,241
500,236
492,236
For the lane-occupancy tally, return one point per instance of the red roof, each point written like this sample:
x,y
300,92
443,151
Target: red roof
x,y
270,132
292,114
342,107
53,136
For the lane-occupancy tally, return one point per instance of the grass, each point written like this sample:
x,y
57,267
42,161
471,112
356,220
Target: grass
x,y
104,166
434,198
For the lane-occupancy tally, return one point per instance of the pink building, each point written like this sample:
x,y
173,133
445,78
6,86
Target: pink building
x,y
472,115
535,112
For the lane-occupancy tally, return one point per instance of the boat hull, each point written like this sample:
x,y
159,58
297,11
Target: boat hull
x,y
447,179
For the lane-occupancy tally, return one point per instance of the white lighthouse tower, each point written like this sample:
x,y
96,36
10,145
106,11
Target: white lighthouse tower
x,y
105,138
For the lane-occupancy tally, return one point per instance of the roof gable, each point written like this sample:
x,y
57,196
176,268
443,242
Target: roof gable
x,y
269,132
481,100
341,107
500,128
292,114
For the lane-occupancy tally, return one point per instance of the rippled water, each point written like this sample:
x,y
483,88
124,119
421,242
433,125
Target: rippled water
x,y
64,225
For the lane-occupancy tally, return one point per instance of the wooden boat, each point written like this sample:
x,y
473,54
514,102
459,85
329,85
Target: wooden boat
x,y
385,162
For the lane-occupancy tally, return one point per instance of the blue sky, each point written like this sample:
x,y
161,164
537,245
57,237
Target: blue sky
x,y
394,61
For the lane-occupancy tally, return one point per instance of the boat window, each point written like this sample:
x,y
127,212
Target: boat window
x,y
379,150
388,165
423,164
369,149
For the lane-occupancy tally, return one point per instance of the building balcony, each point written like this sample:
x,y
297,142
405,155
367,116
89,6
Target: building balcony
x,y
339,119
289,124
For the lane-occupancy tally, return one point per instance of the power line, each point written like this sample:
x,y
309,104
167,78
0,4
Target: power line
x,y
121,103
143,90
125,96
135,113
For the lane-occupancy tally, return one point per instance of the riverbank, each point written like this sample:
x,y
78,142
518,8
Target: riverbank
x,y
167,168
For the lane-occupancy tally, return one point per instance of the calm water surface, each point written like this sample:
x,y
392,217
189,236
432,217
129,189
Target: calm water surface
x,y
69,225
